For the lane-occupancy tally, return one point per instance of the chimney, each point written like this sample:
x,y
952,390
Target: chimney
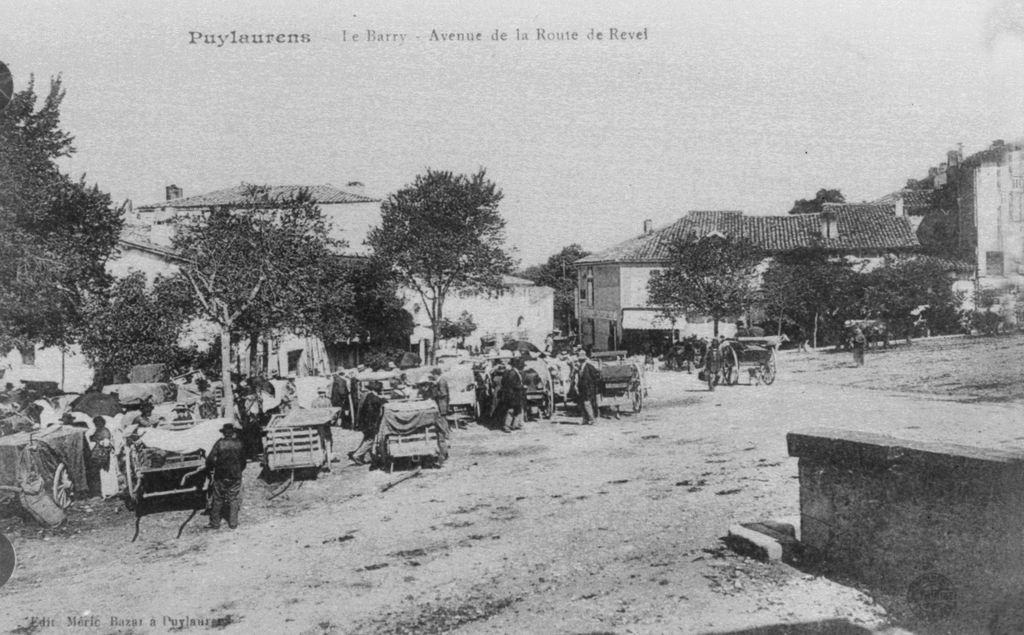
x,y
172,192
355,187
648,226
953,158
998,143
900,210
829,226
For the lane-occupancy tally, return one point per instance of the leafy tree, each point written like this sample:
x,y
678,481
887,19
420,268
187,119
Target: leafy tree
x,y
814,205
56,233
258,267
809,288
460,329
442,234
377,314
133,324
713,275
895,291
559,274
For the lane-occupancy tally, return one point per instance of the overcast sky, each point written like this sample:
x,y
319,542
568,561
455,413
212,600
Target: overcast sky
x,y
728,105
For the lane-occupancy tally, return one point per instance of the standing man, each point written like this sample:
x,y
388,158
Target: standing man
x,y
226,462
442,393
860,342
512,396
588,380
371,409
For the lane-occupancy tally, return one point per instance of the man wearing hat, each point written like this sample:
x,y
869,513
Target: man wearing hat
x,y
226,462
588,379
513,396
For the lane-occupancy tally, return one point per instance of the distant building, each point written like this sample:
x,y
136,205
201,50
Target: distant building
x,y
613,306
975,217
521,309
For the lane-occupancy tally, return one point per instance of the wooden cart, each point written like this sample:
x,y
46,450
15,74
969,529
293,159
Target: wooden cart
x,y
299,439
413,431
621,381
44,453
153,474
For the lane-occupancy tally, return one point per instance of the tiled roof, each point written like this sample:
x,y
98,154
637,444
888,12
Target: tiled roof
x,y
992,154
324,194
862,227
915,202
950,264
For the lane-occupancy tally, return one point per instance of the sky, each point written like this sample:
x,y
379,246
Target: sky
x,y
725,105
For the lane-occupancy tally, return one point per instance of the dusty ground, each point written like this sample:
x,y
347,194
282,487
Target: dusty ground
x,y
558,529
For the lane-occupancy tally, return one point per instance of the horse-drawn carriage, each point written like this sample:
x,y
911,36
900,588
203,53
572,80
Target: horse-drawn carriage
x,y
412,431
169,461
463,404
723,363
621,381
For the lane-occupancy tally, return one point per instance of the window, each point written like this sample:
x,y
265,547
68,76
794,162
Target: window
x,y
1017,206
293,361
993,263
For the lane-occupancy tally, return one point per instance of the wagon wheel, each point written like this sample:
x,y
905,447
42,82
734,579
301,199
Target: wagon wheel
x,y
547,409
62,489
731,367
476,410
768,369
637,396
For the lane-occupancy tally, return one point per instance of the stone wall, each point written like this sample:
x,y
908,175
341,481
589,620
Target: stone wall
x,y
935,521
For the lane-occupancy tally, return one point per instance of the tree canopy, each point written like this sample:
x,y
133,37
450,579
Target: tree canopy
x,y
56,233
814,205
809,288
559,274
713,275
443,233
134,324
260,267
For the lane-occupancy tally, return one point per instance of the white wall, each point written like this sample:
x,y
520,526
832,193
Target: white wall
x,y
67,368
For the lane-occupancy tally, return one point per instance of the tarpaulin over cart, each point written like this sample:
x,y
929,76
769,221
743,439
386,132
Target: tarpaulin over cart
x,y
65,444
304,418
201,436
97,403
405,417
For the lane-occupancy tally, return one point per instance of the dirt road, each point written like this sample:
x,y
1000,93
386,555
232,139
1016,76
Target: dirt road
x,y
558,529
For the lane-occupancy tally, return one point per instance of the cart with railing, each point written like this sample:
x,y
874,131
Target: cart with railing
x,y
299,439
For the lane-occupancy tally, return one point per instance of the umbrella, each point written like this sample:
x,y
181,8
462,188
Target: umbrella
x,y
520,345
408,360
97,403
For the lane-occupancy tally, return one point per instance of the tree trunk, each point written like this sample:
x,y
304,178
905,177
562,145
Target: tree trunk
x,y
814,339
227,404
716,327
779,334
254,356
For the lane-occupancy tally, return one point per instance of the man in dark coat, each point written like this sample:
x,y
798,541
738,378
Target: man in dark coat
x,y
513,394
371,409
226,462
588,384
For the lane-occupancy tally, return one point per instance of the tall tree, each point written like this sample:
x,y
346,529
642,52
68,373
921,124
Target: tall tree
x,y
808,287
256,267
713,275
56,234
814,205
443,234
134,324
559,274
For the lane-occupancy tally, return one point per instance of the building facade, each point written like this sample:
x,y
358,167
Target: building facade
x,y
612,303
